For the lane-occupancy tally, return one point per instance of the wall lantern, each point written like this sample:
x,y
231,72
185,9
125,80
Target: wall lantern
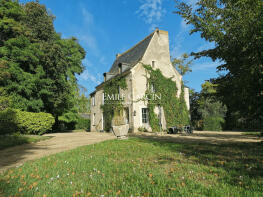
x,y
134,113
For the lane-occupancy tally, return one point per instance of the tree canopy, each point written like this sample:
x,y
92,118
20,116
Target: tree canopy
x,y
236,28
37,66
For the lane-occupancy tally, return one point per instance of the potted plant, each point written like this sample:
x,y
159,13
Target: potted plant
x,y
119,124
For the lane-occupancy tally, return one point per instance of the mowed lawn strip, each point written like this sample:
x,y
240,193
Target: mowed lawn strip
x,y
18,139
142,167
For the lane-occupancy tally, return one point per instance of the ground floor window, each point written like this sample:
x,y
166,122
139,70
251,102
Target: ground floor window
x,y
145,114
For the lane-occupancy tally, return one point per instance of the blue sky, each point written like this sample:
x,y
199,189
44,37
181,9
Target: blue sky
x,y
107,27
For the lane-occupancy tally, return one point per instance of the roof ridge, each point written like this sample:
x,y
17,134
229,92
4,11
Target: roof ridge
x,y
136,44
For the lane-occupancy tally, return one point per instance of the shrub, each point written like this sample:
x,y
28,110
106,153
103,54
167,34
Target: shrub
x,y
34,123
7,122
25,122
83,123
142,129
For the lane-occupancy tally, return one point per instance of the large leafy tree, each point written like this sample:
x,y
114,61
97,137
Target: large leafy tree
x,y
236,28
40,65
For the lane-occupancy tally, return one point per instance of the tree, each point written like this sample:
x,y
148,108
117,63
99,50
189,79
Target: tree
x,y
213,114
182,65
235,26
40,64
194,106
207,112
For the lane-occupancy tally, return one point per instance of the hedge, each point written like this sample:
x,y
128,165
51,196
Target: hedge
x,y
25,122
7,123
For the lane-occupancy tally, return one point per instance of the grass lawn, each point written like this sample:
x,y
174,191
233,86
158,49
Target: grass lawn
x,y
18,139
142,167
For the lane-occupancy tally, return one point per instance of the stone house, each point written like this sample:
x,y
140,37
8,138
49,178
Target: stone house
x,y
152,50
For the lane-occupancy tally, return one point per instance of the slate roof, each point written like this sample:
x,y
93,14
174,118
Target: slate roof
x,y
132,56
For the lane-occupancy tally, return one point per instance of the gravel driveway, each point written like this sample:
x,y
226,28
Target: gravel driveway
x,y
16,156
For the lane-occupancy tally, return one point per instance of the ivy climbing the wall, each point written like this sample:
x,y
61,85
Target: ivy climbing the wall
x,y
112,106
175,109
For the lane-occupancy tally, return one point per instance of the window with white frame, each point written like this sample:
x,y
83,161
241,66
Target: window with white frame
x,y
145,115
93,100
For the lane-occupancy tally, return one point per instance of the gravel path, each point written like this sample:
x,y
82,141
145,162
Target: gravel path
x,y
16,156
211,137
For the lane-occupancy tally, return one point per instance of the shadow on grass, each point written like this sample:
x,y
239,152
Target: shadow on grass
x,y
237,159
12,156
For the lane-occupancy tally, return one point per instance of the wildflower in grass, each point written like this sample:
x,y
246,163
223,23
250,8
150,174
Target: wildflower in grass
x,y
58,176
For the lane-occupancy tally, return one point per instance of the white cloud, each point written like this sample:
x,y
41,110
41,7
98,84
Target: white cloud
x,y
151,11
87,62
206,46
205,66
184,26
87,16
176,47
90,40
86,75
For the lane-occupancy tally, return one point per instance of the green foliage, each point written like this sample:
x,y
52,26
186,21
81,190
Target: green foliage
x,y
82,102
8,121
236,27
196,118
207,111
212,123
39,67
181,65
175,110
34,123
149,166
83,123
142,129
213,113
25,122
110,107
